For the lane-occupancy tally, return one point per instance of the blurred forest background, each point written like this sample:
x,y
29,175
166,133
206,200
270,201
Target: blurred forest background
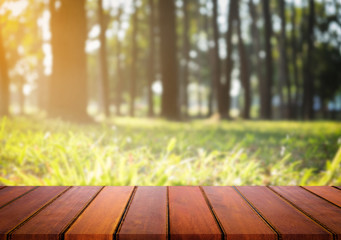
x,y
246,59
254,87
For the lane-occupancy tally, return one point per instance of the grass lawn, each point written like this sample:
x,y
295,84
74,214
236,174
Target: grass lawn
x,y
129,151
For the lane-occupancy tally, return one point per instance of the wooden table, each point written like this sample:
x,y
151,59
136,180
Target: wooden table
x,y
95,212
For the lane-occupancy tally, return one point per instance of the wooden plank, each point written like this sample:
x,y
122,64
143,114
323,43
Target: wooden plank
x,y
19,210
53,220
319,209
189,215
102,216
1,187
238,219
146,218
10,193
329,193
339,187
289,222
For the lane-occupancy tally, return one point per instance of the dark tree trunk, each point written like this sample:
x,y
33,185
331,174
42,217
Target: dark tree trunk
x,y
119,75
151,63
295,102
244,68
220,89
284,75
211,60
103,60
202,57
256,47
170,105
301,39
186,57
212,92
324,108
134,56
68,89
308,81
233,8
4,79
266,95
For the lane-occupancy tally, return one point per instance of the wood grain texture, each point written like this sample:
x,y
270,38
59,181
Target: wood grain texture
x,y
239,220
19,210
1,187
190,218
146,218
331,194
339,187
317,208
101,217
10,193
287,220
49,223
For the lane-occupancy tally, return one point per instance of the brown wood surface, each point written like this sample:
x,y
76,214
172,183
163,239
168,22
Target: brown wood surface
x,y
146,218
331,194
1,187
101,217
339,187
189,215
325,213
10,193
19,210
89,213
289,222
238,219
52,221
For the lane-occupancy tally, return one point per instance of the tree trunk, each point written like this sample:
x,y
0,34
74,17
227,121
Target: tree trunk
x,y
68,91
266,95
119,75
4,79
169,71
103,60
244,68
295,102
220,89
134,56
233,8
186,57
284,75
308,81
151,63
210,63
256,47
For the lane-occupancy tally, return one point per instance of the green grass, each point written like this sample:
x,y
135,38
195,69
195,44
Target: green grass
x,y
129,151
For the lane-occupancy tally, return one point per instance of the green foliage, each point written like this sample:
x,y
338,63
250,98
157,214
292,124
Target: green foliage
x,y
129,151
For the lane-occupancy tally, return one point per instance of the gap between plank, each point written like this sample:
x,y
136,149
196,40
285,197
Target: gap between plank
x,y
222,230
305,214
120,222
18,197
267,222
320,197
62,235
9,233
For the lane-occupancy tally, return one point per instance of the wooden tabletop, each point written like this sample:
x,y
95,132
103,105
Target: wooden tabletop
x,y
148,213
